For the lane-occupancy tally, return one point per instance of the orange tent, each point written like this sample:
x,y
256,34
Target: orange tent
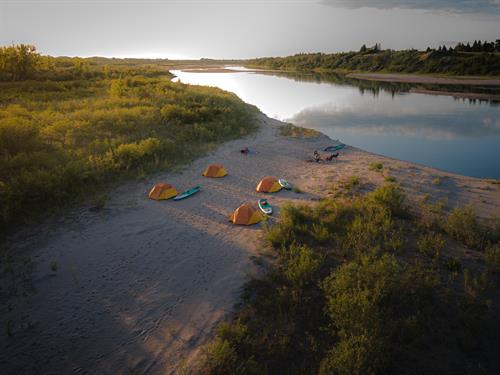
x,y
215,170
269,185
246,214
161,191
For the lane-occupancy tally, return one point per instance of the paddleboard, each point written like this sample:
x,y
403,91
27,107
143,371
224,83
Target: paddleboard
x,y
187,193
334,148
265,206
285,184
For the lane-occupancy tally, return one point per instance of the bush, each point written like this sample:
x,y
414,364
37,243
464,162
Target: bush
x,y
376,167
431,244
301,265
452,265
462,225
493,256
376,307
289,130
221,358
390,196
351,183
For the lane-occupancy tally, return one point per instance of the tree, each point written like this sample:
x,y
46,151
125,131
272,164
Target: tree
x,y
475,46
363,48
18,62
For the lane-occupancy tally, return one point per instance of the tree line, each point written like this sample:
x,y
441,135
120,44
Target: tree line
x,y
482,59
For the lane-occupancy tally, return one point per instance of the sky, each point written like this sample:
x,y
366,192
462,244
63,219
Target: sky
x,y
193,29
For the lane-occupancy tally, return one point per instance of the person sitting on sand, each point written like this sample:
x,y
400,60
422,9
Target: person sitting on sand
x,y
317,156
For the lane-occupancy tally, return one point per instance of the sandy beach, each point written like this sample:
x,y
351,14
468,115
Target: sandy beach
x,y
139,285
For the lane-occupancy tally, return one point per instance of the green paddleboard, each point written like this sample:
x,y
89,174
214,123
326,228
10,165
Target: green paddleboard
x,y
334,148
187,193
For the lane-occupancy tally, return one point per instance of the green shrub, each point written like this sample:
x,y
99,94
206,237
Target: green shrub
x,y
493,256
437,181
376,167
352,183
221,358
431,244
376,307
289,130
452,264
390,196
462,225
301,265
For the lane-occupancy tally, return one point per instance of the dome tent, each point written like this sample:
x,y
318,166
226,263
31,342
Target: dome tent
x,y
161,191
246,214
268,185
215,170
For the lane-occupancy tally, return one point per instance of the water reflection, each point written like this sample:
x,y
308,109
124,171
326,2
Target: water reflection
x,y
401,121
457,135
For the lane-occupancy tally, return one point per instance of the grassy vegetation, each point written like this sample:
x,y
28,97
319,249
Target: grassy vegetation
x,y
289,130
73,127
376,167
352,183
358,288
408,61
437,181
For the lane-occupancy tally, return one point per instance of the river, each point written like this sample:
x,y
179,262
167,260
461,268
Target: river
x,y
455,135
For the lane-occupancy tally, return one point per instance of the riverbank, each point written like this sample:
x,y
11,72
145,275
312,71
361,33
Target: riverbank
x,y
426,79
140,285
461,95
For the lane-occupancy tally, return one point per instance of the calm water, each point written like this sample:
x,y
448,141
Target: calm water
x,y
455,135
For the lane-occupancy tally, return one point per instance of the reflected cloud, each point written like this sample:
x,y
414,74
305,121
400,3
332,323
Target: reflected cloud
x,y
399,121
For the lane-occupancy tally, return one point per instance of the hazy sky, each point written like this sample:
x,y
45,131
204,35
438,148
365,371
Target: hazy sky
x,y
240,28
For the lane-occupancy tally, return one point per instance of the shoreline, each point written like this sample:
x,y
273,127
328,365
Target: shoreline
x,y
427,79
390,78
140,285
455,94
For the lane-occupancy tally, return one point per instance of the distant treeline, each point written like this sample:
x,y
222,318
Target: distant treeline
x,y
69,126
482,58
477,46
23,62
